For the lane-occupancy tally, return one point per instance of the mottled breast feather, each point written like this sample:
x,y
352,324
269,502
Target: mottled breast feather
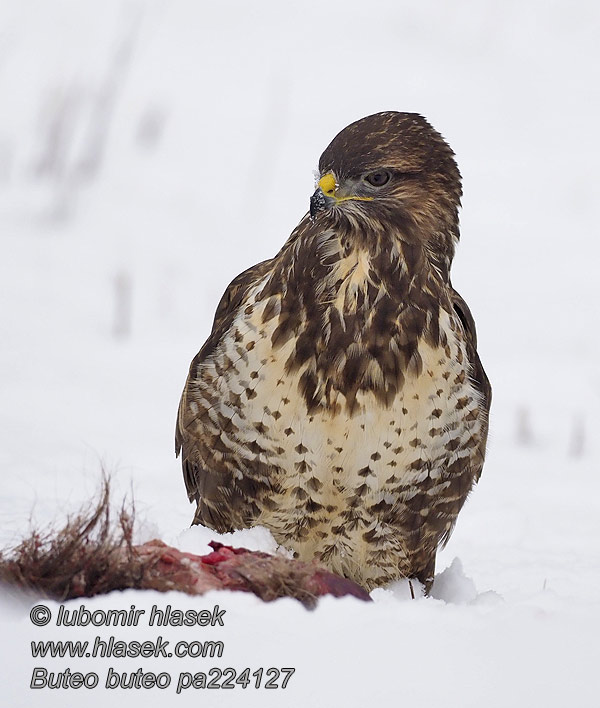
x,y
339,400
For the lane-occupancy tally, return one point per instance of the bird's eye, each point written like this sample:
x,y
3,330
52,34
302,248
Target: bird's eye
x,y
378,178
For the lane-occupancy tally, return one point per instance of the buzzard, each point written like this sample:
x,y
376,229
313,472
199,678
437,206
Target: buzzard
x,y
339,400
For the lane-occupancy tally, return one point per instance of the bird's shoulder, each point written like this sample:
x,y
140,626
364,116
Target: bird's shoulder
x,y
229,304
470,331
232,299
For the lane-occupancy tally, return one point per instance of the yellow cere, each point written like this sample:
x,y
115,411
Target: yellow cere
x,y
327,184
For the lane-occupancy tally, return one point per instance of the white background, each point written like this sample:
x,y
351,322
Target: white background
x,y
170,145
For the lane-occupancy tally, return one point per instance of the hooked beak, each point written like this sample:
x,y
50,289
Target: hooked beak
x,y
324,195
318,202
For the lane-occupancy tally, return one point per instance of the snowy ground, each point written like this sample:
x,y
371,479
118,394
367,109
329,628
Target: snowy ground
x,y
151,151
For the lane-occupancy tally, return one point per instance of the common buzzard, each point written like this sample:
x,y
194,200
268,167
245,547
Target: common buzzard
x,y
339,399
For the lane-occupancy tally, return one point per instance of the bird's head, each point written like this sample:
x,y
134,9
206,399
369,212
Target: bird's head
x,y
394,170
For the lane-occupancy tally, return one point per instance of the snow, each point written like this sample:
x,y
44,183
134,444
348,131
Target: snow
x,y
151,151
196,539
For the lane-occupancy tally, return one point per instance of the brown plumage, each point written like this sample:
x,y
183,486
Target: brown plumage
x,y
339,399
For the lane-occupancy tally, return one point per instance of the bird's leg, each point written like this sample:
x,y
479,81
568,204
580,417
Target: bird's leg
x,y
426,575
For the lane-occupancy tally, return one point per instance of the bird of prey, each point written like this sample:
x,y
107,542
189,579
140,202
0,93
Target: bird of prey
x,y
339,400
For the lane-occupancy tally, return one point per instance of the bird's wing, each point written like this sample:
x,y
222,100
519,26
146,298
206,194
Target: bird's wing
x,y
473,464
478,375
221,505
229,303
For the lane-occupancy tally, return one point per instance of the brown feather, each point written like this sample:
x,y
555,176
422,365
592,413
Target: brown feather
x,y
339,399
